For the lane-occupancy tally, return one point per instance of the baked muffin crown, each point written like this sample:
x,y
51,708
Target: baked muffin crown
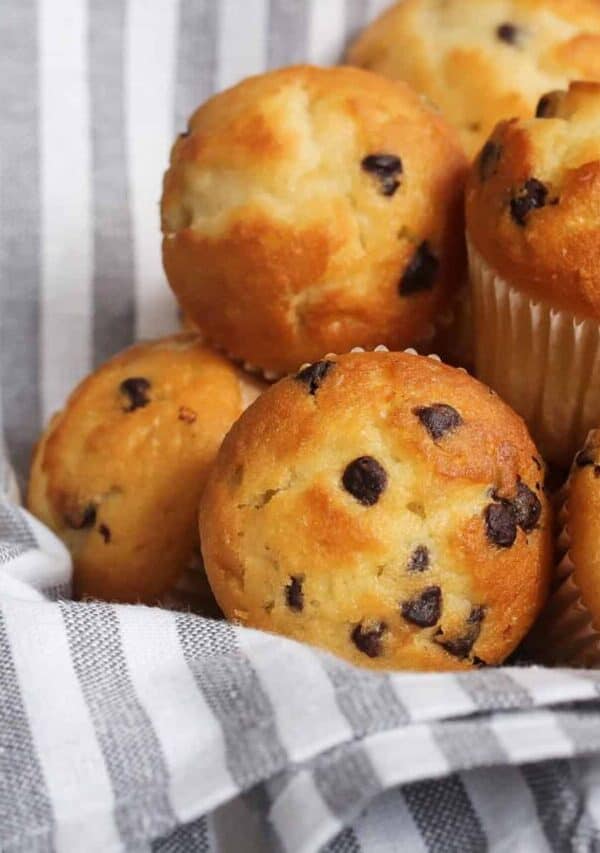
x,y
384,506
583,523
118,473
533,201
310,209
483,60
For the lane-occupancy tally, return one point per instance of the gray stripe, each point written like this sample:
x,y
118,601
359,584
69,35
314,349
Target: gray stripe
x,y
196,57
494,690
445,816
25,810
190,838
9,552
14,526
288,32
19,230
58,592
113,284
558,799
236,697
582,727
129,744
366,699
347,780
469,743
356,18
345,842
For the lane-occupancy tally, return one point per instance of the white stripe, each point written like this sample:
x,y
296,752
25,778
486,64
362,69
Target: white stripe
x,y
67,240
303,699
62,730
242,47
421,757
327,26
506,810
190,735
387,826
432,696
530,736
301,816
549,686
150,40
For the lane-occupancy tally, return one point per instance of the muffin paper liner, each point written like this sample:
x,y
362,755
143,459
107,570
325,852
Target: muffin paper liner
x,y
565,635
545,363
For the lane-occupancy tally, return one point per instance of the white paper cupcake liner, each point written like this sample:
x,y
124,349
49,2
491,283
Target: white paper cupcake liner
x,y
545,363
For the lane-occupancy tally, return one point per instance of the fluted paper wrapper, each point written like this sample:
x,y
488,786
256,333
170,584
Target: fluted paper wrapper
x,y
544,363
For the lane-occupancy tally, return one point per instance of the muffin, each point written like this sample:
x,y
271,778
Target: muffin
x,y
118,473
482,61
313,209
533,207
569,630
384,506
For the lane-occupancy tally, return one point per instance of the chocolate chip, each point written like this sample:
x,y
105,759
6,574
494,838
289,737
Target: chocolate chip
x,y
136,389
419,559
80,518
421,271
460,647
104,532
438,419
294,594
585,457
186,415
537,463
478,662
387,168
531,196
488,159
596,470
365,479
527,507
548,104
508,32
368,639
424,610
501,524
314,374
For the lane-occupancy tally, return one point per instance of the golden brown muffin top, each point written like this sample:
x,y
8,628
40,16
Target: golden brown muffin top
x,y
482,61
533,201
118,472
313,209
583,523
385,507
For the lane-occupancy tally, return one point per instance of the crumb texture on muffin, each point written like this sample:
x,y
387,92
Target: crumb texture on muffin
x,y
118,473
383,506
312,209
483,60
533,202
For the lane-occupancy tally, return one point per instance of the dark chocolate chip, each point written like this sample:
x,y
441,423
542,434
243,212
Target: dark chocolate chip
x,y
294,595
368,640
136,389
387,168
438,419
501,524
314,374
365,479
478,662
527,507
424,610
104,532
596,470
532,195
460,647
80,518
488,159
585,457
548,104
419,559
537,463
421,272
508,32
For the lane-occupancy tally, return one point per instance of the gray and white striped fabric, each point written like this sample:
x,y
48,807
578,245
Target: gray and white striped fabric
x,y
128,728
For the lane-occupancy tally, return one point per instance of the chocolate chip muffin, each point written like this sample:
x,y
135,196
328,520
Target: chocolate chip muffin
x,y
383,506
313,209
118,473
484,60
533,206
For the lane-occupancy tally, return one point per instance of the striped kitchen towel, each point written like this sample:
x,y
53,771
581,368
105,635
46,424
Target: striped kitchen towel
x,y
129,728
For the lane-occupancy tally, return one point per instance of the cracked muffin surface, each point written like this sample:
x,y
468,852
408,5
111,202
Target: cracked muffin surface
x,y
483,60
385,507
118,472
312,209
